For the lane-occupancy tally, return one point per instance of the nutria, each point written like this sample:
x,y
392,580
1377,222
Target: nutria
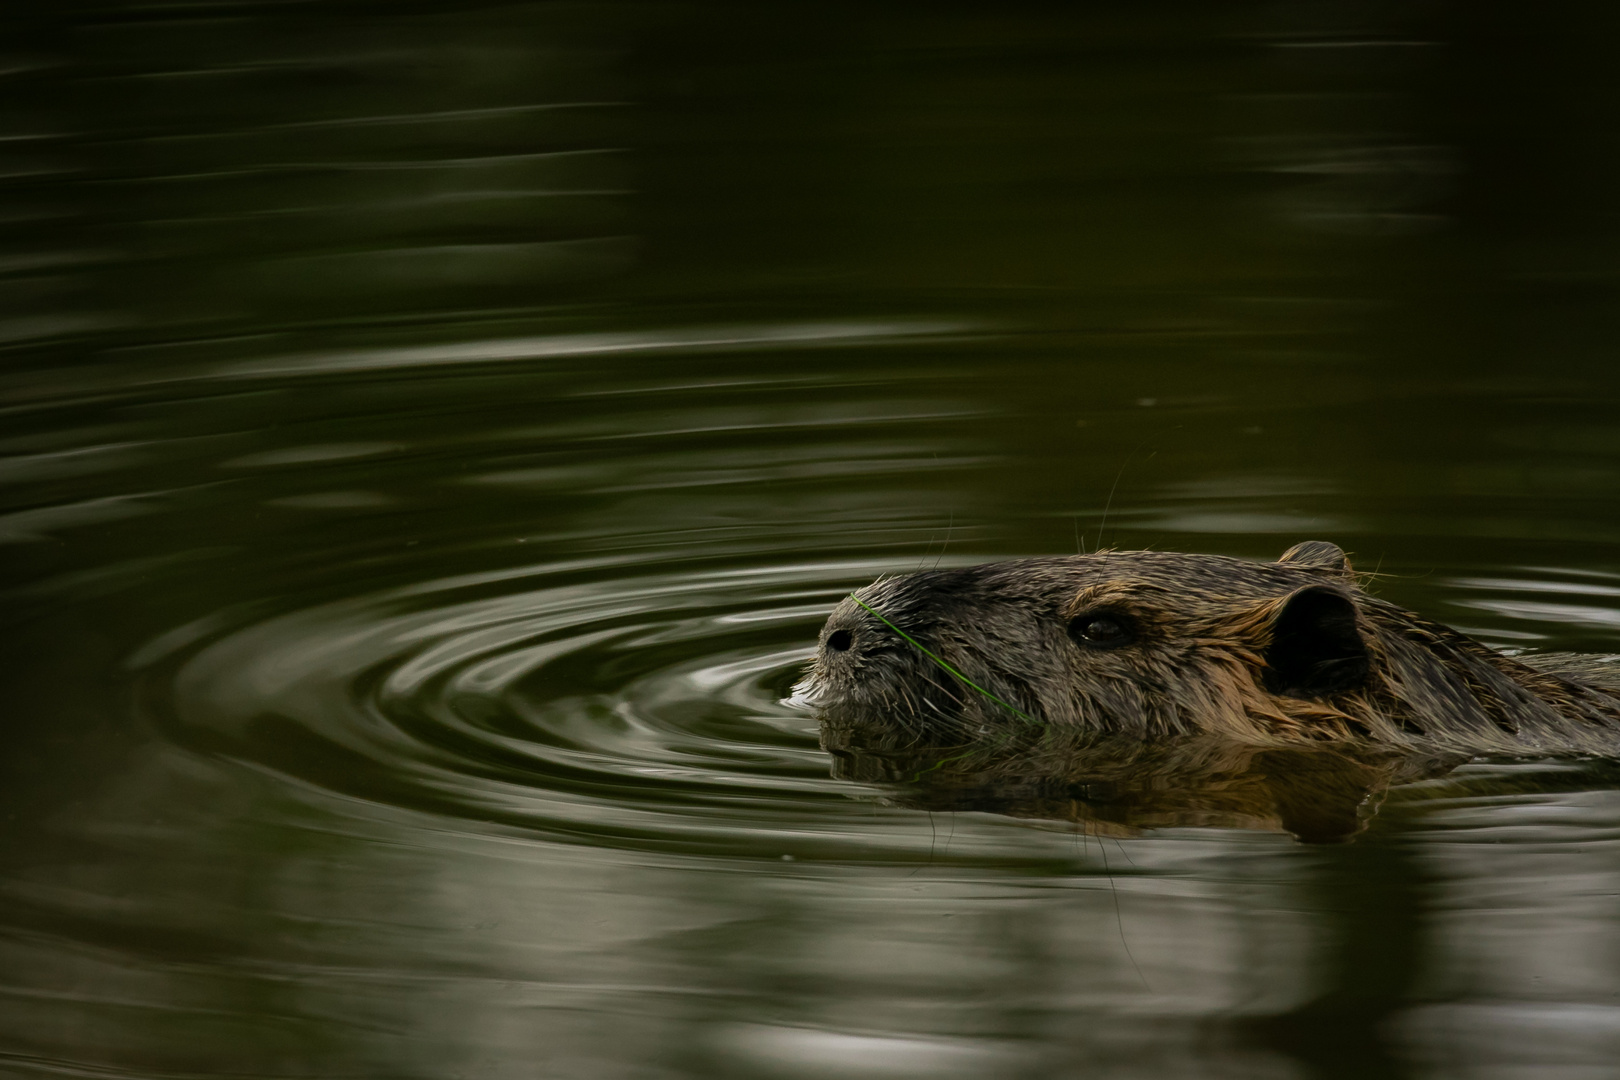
x,y
1155,645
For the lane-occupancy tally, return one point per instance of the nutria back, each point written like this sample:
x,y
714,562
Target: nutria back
x,y
1156,644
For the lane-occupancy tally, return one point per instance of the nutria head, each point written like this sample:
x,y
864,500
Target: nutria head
x,y
1158,644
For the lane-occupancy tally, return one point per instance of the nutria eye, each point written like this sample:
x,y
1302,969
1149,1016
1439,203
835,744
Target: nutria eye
x,y
1105,631
840,640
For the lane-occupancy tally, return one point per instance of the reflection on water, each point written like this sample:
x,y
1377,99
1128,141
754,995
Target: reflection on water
x,y
432,438
1120,786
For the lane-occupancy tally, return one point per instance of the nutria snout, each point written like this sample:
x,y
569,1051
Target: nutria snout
x,y
1155,644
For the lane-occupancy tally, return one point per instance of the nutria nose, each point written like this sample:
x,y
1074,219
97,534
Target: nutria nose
x,y
840,640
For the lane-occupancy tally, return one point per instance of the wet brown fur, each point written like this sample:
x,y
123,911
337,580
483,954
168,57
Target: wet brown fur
x,y
1209,638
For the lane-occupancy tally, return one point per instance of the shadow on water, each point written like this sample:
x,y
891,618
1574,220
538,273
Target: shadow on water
x,y
1369,877
1373,898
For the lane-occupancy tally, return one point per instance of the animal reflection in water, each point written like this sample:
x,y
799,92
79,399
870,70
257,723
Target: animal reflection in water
x,y
1115,785
1133,690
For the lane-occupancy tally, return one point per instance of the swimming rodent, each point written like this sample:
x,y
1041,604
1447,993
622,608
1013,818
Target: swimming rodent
x,y
1156,645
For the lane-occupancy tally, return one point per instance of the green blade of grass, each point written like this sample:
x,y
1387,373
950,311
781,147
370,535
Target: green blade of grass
x,y
1015,710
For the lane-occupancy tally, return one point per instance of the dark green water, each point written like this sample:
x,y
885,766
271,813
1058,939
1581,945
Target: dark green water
x,y
433,435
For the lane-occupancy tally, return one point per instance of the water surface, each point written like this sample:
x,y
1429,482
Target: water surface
x,y
433,436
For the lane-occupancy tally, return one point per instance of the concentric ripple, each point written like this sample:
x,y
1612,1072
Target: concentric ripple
x,y
612,701
636,710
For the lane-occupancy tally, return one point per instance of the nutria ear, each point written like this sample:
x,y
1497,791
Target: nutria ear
x,y
1317,555
1316,647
